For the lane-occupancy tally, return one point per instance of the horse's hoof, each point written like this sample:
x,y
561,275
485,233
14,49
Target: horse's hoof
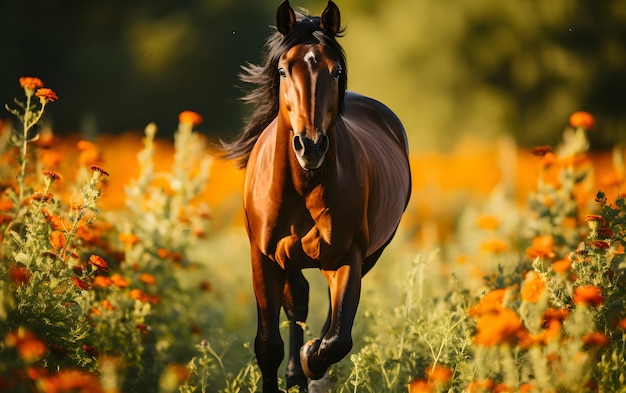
x,y
307,350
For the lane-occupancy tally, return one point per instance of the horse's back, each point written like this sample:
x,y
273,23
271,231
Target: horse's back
x,y
384,145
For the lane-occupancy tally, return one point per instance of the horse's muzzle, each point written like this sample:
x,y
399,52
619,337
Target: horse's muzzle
x,y
310,153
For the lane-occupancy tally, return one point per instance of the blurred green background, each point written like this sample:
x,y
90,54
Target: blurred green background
x,y
448,67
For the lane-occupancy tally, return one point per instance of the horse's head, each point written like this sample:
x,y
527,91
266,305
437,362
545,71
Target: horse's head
x,y
312,82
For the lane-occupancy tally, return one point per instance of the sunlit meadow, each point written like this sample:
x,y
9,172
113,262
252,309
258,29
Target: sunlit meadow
x,y
125,267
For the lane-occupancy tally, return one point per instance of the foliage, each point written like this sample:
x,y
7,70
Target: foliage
x,y
521,297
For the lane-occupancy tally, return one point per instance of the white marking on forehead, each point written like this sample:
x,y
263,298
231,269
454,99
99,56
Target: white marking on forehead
x,y
310,57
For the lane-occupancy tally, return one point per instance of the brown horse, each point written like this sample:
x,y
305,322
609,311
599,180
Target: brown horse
x,y
327,180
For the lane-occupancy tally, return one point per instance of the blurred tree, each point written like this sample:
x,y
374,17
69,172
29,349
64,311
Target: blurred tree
x,y
448,68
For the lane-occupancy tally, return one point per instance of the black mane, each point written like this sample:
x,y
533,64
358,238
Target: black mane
x,y
264,96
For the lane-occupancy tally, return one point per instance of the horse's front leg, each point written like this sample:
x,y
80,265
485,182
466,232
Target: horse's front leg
x,y
345,290
296,305
268,281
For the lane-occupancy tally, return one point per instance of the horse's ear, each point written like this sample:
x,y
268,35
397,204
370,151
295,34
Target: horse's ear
x,y
285,18
330,20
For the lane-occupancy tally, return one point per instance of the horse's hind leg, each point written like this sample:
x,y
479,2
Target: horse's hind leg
x,y
296,305
345,289
268,281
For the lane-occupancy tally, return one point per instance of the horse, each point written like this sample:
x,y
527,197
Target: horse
x,y
327,179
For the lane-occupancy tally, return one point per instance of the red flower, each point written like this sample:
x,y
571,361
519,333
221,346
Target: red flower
x,y
99,262
46,95
80,283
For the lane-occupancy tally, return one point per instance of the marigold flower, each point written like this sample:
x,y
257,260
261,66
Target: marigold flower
x,y
57,239
101,282
147,278
102,172
106,303
30,82
51,175
589,295
495,246
140,295
533,288
562,265
127,238
600,244
190,117
99,262
541,247
80,283
67,380
119,281
595,339
439,373
5,205
491,302
29,347
421,386
504,326
46,95
582,119
19,274
541,151
486,221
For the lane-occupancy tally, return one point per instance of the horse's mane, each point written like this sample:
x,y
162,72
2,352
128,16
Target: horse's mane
x,y
264,96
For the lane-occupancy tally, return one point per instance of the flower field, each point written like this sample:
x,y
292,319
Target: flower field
x,y
125,268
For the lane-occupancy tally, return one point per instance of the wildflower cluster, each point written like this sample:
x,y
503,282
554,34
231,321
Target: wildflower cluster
x,y
87,299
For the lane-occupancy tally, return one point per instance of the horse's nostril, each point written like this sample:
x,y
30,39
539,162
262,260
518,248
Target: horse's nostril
x,y
322,144
298,147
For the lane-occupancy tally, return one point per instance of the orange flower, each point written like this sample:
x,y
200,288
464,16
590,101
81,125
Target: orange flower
x,y
589,295
541,247
119,281
46,95
30,82
140,295
504,326
127,238
147,279
595,339
561,266
57,239
495,246
102,282
438,373
99,262
29,347
190,117
106,303
5,205
421,386
89,154
72,381
491,302
533,288
487,222
582,119
51,175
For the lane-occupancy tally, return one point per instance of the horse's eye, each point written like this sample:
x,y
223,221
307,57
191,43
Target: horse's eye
x,y
282,73
336,72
